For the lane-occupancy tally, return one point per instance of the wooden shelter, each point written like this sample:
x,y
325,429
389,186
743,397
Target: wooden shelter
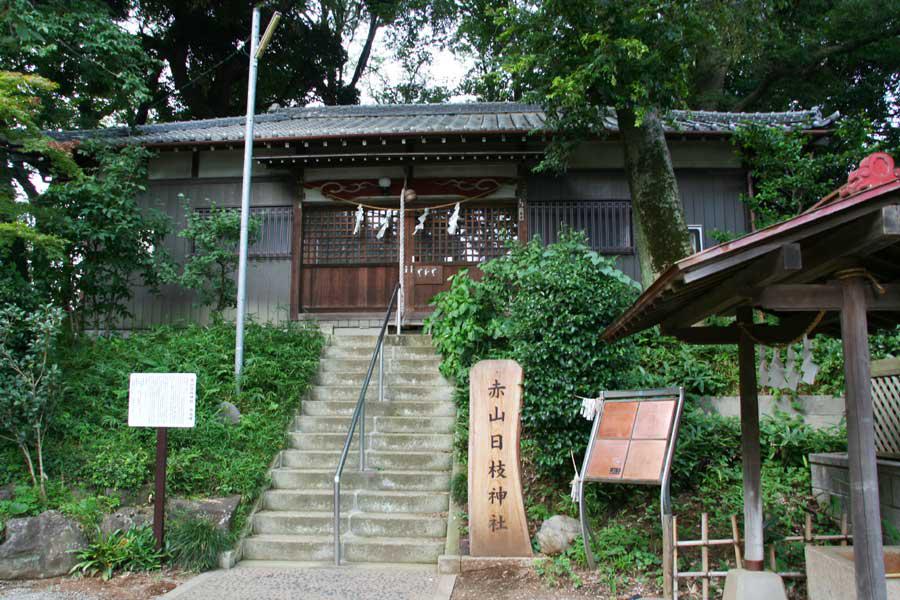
x,y
834,270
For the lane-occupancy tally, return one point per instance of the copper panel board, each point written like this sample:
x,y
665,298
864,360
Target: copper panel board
x,y
654,420
607,459
618,420
645,460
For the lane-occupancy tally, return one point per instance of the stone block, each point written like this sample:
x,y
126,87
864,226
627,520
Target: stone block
x,y
40,547
753,585
830,572
449,564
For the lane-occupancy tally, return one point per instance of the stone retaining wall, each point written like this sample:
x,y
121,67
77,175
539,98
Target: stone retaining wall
x,y
831,479
817,411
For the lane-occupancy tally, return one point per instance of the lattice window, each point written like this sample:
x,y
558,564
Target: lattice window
x,y
276,223
607,223
483,233
328,236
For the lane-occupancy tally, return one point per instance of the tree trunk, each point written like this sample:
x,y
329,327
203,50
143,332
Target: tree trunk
x,y
661,234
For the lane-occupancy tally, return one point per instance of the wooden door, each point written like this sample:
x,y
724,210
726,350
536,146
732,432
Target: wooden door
x,y
345,271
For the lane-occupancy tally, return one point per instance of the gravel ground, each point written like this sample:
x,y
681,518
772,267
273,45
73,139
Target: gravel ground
x,y
130,586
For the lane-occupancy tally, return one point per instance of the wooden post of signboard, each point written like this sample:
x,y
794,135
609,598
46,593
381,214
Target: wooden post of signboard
x,y
159,498
497,525
161,400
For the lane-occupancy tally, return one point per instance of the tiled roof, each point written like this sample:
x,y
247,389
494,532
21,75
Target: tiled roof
x,y
413,119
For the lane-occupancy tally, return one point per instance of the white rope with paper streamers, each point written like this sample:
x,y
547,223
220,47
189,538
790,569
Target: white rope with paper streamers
x,y
575,494
591,406
421,222
454,221
796,369
359,219
384,226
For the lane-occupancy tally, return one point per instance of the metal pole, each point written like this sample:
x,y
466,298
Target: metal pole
x,y
337,520
245,202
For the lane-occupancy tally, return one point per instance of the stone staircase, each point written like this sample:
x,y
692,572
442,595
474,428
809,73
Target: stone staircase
x,y
396,511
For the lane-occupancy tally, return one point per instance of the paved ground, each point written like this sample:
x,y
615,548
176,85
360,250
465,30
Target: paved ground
x,y
386,582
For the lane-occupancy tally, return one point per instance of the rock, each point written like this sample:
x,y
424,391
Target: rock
x,y
229,413
218,510
557,533
7,492
126,518
40,547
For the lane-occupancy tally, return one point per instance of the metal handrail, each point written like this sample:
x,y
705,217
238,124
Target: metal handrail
x,y
359,417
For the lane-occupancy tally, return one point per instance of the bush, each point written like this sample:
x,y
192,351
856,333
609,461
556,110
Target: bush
x,y
194,543
133,550
544,307
91,441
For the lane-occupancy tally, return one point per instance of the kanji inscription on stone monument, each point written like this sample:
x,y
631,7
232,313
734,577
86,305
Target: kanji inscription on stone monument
x,y
497,525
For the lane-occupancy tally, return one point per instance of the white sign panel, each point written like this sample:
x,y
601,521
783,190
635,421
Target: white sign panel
x,y
162,399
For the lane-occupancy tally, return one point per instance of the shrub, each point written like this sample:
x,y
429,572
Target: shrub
x,y
132,550
210,268
28,382
194,543
544,307
459,488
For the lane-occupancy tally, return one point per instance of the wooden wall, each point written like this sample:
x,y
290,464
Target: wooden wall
x,y
268,280
711,198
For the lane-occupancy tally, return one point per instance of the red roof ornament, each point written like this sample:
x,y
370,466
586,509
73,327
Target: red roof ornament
x,y
874,170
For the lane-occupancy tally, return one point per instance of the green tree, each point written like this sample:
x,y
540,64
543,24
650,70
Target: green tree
x,y
112,243
585,60
29,380
210,269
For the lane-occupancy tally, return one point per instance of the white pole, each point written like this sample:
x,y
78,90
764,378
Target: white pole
x,y
245,201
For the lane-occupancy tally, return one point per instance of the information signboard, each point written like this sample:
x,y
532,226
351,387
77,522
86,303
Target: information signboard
x,y
162,399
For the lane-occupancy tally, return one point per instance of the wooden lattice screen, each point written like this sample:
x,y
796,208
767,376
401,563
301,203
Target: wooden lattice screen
x,y
607,223
328,237
483,233
274,231
886,404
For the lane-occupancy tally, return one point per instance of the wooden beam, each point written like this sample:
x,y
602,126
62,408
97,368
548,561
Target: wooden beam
x,y
750,451
827,296
868,550
785,261
789,330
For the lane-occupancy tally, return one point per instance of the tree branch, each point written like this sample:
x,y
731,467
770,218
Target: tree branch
x,y
366,51
812,62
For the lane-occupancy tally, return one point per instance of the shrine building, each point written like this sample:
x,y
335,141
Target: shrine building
x,y
327,184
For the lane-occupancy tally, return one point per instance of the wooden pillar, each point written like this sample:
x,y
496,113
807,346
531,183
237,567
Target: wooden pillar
x,y
750,452
297,250
408,275
868,550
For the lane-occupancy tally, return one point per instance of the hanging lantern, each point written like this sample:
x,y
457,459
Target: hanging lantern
x,y
421,224
453,225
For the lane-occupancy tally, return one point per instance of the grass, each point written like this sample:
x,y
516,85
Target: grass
x,y
91,447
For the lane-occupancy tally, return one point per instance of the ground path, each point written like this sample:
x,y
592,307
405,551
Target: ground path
x,y
363,582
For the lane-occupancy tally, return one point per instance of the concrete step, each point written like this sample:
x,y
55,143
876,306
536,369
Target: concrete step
x,y
364,500
391,365
355,523
414,481
363,352
391,461
354,549
419,340
393,393
345,408
376,441
426,377
376,424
